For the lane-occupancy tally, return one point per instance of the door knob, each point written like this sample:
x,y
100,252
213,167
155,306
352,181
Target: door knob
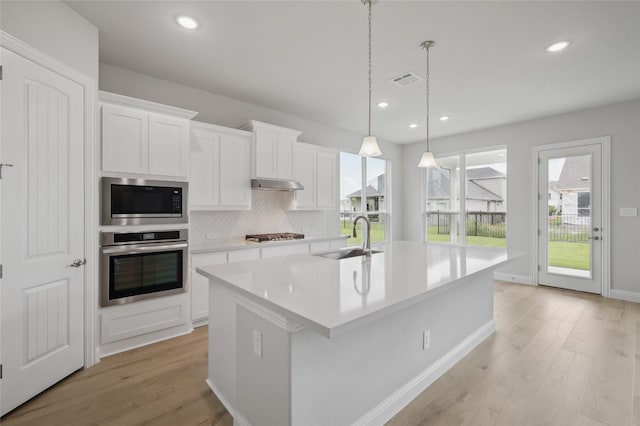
x,y
596,229
78,263
4,165
594,238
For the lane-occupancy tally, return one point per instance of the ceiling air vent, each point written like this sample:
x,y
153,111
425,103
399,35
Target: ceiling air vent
x,y
406,79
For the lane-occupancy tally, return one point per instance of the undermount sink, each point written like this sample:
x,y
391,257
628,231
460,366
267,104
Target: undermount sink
x,y
345,253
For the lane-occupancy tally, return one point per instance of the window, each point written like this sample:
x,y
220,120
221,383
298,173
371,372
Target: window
x,y
584,203
473,213
357,173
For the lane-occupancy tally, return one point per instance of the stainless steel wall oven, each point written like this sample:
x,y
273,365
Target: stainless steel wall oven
x,y
142,265
127,201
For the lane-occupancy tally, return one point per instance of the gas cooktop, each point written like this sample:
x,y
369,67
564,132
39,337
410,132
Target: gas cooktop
x,y
260,238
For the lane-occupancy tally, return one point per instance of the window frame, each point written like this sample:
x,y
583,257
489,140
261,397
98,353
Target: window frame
x,y
363,195
462,204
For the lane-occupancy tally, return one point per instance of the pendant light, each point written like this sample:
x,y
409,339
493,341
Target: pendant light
x,y
427,159
370,146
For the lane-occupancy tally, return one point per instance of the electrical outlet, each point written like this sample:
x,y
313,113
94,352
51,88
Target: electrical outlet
x,y
257,343
426,339
211,236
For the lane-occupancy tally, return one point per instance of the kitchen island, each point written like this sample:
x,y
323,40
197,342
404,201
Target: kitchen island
x,y
308,340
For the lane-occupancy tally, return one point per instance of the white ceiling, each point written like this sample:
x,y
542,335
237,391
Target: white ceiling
x,y
309,58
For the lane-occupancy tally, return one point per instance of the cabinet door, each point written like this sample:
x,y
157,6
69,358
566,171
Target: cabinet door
x,y
168,146
204,181
125,139
235,176
305,173
284,156
265,154
326,179
284,250
200,284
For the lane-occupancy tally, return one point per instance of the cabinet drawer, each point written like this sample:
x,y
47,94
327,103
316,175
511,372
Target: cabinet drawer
x,y
320,246
244,255
268,252
219,258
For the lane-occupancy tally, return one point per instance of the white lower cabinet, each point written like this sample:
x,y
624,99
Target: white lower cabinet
x,y
141,323
200,285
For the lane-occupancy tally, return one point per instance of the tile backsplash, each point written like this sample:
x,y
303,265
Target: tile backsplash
x,y
269,213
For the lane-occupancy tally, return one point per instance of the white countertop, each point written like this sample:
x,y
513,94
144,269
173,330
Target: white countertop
x,y
332,296
215,246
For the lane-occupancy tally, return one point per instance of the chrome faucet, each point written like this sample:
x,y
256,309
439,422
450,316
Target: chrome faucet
x,y
366,243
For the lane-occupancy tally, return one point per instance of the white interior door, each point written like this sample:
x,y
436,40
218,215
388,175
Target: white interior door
x,y
42,229
570,218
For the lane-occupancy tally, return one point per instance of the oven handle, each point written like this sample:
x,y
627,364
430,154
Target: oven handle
x,y
143,248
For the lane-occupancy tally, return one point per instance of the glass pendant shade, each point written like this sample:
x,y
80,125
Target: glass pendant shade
x,y
427,160
370,147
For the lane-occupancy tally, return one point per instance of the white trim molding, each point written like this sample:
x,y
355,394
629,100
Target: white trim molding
x,y
127,101
31,53
630,296
392,405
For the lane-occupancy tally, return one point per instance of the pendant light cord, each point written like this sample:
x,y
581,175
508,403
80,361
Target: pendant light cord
x,y
369,1
427,97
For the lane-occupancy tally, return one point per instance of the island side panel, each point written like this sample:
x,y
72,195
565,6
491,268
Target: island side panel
x,y
263,370
222,344
339,380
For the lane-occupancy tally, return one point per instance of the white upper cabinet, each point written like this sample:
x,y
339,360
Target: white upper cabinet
x,y
316,168
272,150
142,137
219,178
125,139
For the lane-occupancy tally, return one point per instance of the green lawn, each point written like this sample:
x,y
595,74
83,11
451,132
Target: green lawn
x,y
562,254
377,233
569,255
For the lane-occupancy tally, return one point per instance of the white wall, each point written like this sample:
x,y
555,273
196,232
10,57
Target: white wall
x,y
620,121
224,111
55,29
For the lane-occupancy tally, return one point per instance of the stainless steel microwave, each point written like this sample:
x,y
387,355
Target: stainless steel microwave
x,y
128,201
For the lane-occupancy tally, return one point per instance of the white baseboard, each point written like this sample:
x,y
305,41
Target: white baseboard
x,y
238,420
388,408
630,296
520,279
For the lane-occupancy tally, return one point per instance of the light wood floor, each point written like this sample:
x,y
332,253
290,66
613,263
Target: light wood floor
x,y
557,358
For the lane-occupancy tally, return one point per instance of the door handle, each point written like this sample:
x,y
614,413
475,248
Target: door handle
x,y
78,263
596,229
4,165
594,238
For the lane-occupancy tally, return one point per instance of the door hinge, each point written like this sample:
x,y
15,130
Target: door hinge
x,y
0,371
539,232
539,268
0,271
0,72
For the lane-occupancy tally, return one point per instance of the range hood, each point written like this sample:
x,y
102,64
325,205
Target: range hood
x,y
276,184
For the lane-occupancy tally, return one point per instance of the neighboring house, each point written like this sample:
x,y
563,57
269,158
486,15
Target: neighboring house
x,y
555,198
485,190
375,197
574,187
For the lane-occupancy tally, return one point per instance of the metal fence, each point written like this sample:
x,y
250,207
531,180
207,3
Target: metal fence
x,y
563,227
480,224
569,227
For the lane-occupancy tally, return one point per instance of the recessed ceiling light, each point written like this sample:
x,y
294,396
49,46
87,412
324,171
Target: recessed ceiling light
x,y
187,22
383,104
413,125
444,118
556,47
